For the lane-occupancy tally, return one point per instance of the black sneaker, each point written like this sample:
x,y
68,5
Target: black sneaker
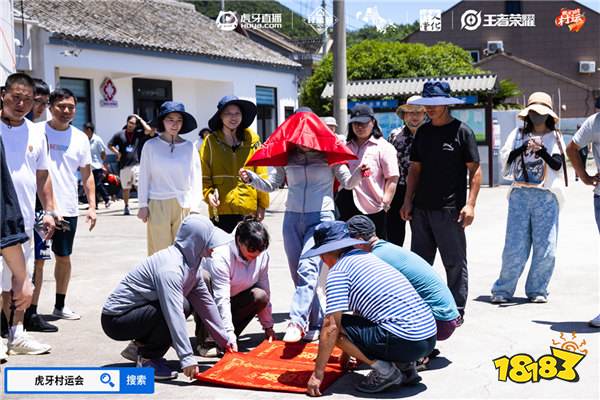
x,y
36,323
126,211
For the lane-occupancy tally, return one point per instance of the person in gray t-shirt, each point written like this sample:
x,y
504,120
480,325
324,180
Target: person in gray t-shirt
x,y
98,150
588,133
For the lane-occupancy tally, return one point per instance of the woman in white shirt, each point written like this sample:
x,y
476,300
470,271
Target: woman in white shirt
x,y
170,182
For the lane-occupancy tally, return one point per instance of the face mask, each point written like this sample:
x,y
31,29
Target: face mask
x,y
537,119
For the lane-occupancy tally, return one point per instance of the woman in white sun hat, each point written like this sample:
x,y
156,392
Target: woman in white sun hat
x,y
533,158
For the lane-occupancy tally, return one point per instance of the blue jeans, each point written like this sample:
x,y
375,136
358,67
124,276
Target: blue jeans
x,y
532,222
597,210
298,229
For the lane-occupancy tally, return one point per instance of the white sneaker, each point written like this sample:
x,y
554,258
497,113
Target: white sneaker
x,y
293,333
311,335
208,350
25,344
595,323
130,352
65,313
3,353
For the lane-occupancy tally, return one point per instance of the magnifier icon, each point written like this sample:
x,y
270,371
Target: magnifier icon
x,y
105,378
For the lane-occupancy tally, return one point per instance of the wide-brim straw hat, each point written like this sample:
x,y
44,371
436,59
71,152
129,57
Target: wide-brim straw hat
x,y
540,103
411,107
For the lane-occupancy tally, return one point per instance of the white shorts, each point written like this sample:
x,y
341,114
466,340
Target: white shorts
x,y
6,274
129,176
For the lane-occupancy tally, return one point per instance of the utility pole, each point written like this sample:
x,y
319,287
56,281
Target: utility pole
x,y
340,97
222,5
325,33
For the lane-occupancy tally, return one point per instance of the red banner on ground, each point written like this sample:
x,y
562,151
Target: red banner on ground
x,y
277,366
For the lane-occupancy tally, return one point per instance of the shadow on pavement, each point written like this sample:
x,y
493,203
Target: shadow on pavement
x,y
437,363
569,326
345,385
514,301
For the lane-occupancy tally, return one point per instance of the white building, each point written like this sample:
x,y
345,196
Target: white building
x,y
7,46
151,51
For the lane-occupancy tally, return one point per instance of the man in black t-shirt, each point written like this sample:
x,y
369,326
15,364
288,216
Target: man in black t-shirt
x,y
127,145
436,200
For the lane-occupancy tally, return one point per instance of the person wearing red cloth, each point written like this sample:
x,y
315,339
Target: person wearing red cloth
x,y
304,151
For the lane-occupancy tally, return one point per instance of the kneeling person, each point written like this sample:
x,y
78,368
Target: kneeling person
x,y
387,310
151,303
238,274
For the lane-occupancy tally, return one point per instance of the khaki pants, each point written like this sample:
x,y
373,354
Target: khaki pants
x,y
164,219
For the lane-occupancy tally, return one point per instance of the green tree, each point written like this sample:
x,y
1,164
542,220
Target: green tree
x,y
293,25
372,59
506,89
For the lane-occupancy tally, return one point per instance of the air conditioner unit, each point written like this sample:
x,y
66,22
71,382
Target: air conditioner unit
x,y
495,46
587,67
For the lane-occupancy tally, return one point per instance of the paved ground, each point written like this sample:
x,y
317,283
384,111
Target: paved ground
x,y
465,368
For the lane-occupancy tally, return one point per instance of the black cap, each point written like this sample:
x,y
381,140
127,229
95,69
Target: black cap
x,y
361,113
361,226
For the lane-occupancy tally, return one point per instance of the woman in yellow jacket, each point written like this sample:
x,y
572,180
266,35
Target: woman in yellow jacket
x,y
222,154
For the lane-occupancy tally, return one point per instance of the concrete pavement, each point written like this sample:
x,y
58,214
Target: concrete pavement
x,y
464,369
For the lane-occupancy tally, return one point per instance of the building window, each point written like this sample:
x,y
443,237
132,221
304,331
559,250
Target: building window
x,y
513,7
81,90
266,102
474,55
148,95
288,111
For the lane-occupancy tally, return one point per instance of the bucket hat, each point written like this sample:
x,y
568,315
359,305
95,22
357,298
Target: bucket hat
x,y
189,122
435,93
248,109
540,103
407,107
330,236
329,121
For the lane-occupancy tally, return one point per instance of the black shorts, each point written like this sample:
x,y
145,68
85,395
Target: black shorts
x,y
62,241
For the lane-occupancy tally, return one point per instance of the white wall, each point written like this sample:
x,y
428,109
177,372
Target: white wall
x,y
198,85
7,44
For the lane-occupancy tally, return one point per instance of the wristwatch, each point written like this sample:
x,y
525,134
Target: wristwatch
x,y
51,213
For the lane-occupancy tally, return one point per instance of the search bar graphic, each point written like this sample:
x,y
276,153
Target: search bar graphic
x,y
78,380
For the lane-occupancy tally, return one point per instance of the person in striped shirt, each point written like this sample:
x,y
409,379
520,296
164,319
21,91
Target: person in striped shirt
x,y
391,326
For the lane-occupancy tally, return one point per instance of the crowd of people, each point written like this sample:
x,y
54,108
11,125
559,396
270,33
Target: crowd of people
x,y
343,227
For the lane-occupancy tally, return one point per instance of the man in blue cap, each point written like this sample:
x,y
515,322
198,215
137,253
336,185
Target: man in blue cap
x,y
436,199
386,309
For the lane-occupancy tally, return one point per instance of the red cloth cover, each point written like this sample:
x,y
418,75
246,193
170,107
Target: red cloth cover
x,y
306,129
276,366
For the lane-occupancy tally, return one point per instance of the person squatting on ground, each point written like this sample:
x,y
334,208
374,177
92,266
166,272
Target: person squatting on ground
x,y
69,151
12,237
223,153
436,202
402,139
238,276
27,160
533,158
98,151
588,133
151,303
127,144
386,310
428,284
170,185
373,195
302,148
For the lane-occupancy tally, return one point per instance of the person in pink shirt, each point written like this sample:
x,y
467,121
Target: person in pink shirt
x,y
373,195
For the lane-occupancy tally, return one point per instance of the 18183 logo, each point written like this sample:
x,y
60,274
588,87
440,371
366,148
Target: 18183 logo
x,y
561,363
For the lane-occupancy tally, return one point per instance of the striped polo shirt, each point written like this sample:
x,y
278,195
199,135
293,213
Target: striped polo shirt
x,y
362,283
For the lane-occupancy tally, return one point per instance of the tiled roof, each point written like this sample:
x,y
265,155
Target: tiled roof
x,y
156,25
476,84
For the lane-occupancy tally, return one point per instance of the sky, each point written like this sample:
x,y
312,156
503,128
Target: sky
x,y
396,11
